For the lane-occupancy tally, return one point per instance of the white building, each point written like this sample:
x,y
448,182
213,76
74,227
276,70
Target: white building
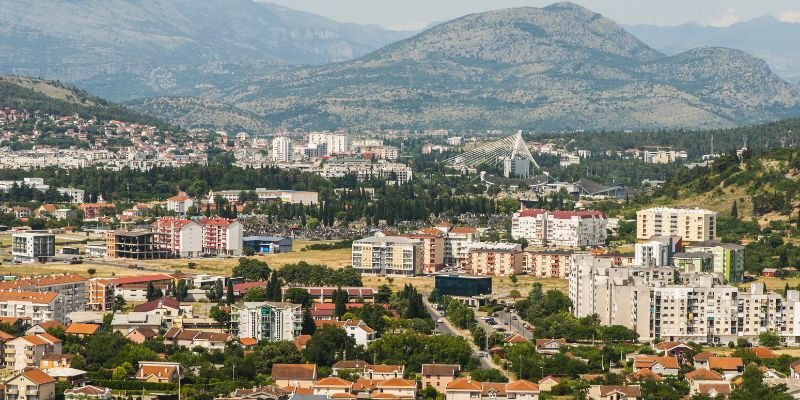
x,y
282,149
337,143
359,331
560,228
270,321
76,196
180,203
33,246
388,255
221,237
180,237
697,309
36,306
657,252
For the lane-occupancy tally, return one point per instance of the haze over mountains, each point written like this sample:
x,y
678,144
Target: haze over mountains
x,y
125,49
234,64
558,67
767,37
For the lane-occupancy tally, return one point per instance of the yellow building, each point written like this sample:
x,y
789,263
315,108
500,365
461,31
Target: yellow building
x,y
388,255
30,383
693,225
499,259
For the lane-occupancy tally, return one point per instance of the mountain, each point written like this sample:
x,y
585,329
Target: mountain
x,y
552,68
125,49
767,37
56,98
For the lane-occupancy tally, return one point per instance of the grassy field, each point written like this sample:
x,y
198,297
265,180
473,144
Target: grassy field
x,y
500,286
777,284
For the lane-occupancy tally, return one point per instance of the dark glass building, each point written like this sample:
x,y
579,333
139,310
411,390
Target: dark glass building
x,y
463,286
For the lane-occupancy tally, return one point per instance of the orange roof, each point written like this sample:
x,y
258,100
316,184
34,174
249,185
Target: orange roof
x,y
764,353
159,371
464,384
248,341
671,345
703,374
332,381
49,337
463,229
55,279
646,374
704,356
301,341
516,338
725,363
343,396
5,336
81,329
37,376
383,396
33,297
141,279
385,368
298,390
717,388
397,383
522,386
646,361
294,371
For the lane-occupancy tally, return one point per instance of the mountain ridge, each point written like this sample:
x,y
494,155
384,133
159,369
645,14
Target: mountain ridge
x,y
553,68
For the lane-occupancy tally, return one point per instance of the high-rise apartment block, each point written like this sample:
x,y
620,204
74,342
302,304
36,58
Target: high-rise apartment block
x,y
693,225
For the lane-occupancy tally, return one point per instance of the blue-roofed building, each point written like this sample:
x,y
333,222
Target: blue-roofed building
x,y
268,244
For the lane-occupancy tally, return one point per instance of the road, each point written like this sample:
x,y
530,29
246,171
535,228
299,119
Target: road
x,y
445,328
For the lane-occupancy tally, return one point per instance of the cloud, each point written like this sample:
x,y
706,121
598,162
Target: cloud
x,y
790,16
727,18
410,26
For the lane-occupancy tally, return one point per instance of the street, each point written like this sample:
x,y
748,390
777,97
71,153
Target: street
x,y
445,328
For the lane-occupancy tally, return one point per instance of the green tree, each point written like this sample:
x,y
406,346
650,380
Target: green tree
x,y
255,294
123,371
308,326
273,290
328,345
229,299
298,296
735,209
340,299
488,375
769,339
251,270
119,303
269,353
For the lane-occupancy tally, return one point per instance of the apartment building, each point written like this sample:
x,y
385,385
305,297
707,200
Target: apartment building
x,y
336,143
727,258
388,255
547,264
270,321
657,251
100,295
27,351
31,384
693,225
282,149
180,203
134,288
179,237
456,243
263,194
136,245
76,196
38,307
221,236
698,308
560,228
432,249
71,287
498,259
31,247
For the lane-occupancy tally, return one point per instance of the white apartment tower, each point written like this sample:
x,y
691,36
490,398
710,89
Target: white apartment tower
x,y
560,228
337,143
282,149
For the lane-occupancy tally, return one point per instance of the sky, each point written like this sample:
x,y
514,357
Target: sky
x,y
417,14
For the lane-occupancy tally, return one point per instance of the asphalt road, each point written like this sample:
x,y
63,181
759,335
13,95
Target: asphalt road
x,y
445,328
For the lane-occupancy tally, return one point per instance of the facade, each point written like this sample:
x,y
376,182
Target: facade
x,y
467,389
698,309
134,288
456,244
387,255
180,203
36,306
728,258
70,287
270,321
33,246
30,384
693,225
125,323
498,259
76,196
137,245
179,237
159,372
560,228
432,249
192,338
336,143
268,244
463,286
658,251
287,196
360,332
100,295
27,351
282,149
221,236
547,264
693,262
438,376
294,375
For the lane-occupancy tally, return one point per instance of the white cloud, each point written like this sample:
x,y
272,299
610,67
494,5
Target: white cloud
x,y
790,16
410,26
727,18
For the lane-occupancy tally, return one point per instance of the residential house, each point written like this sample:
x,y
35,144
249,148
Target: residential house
x,y
73,376
438,376
547,383
384,371
88,392
30,383
359,331
27,351
549,346
134,288
712,389
730,367
675,349
156,371
125,323
55,360
398,387
331,385
260,393
191,339
606,392
664,365
358,366
294,375
81,330
467,389
141,335
168,308
180,203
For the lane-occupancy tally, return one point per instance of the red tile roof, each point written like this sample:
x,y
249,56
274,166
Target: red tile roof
x,y
141,279
37,376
